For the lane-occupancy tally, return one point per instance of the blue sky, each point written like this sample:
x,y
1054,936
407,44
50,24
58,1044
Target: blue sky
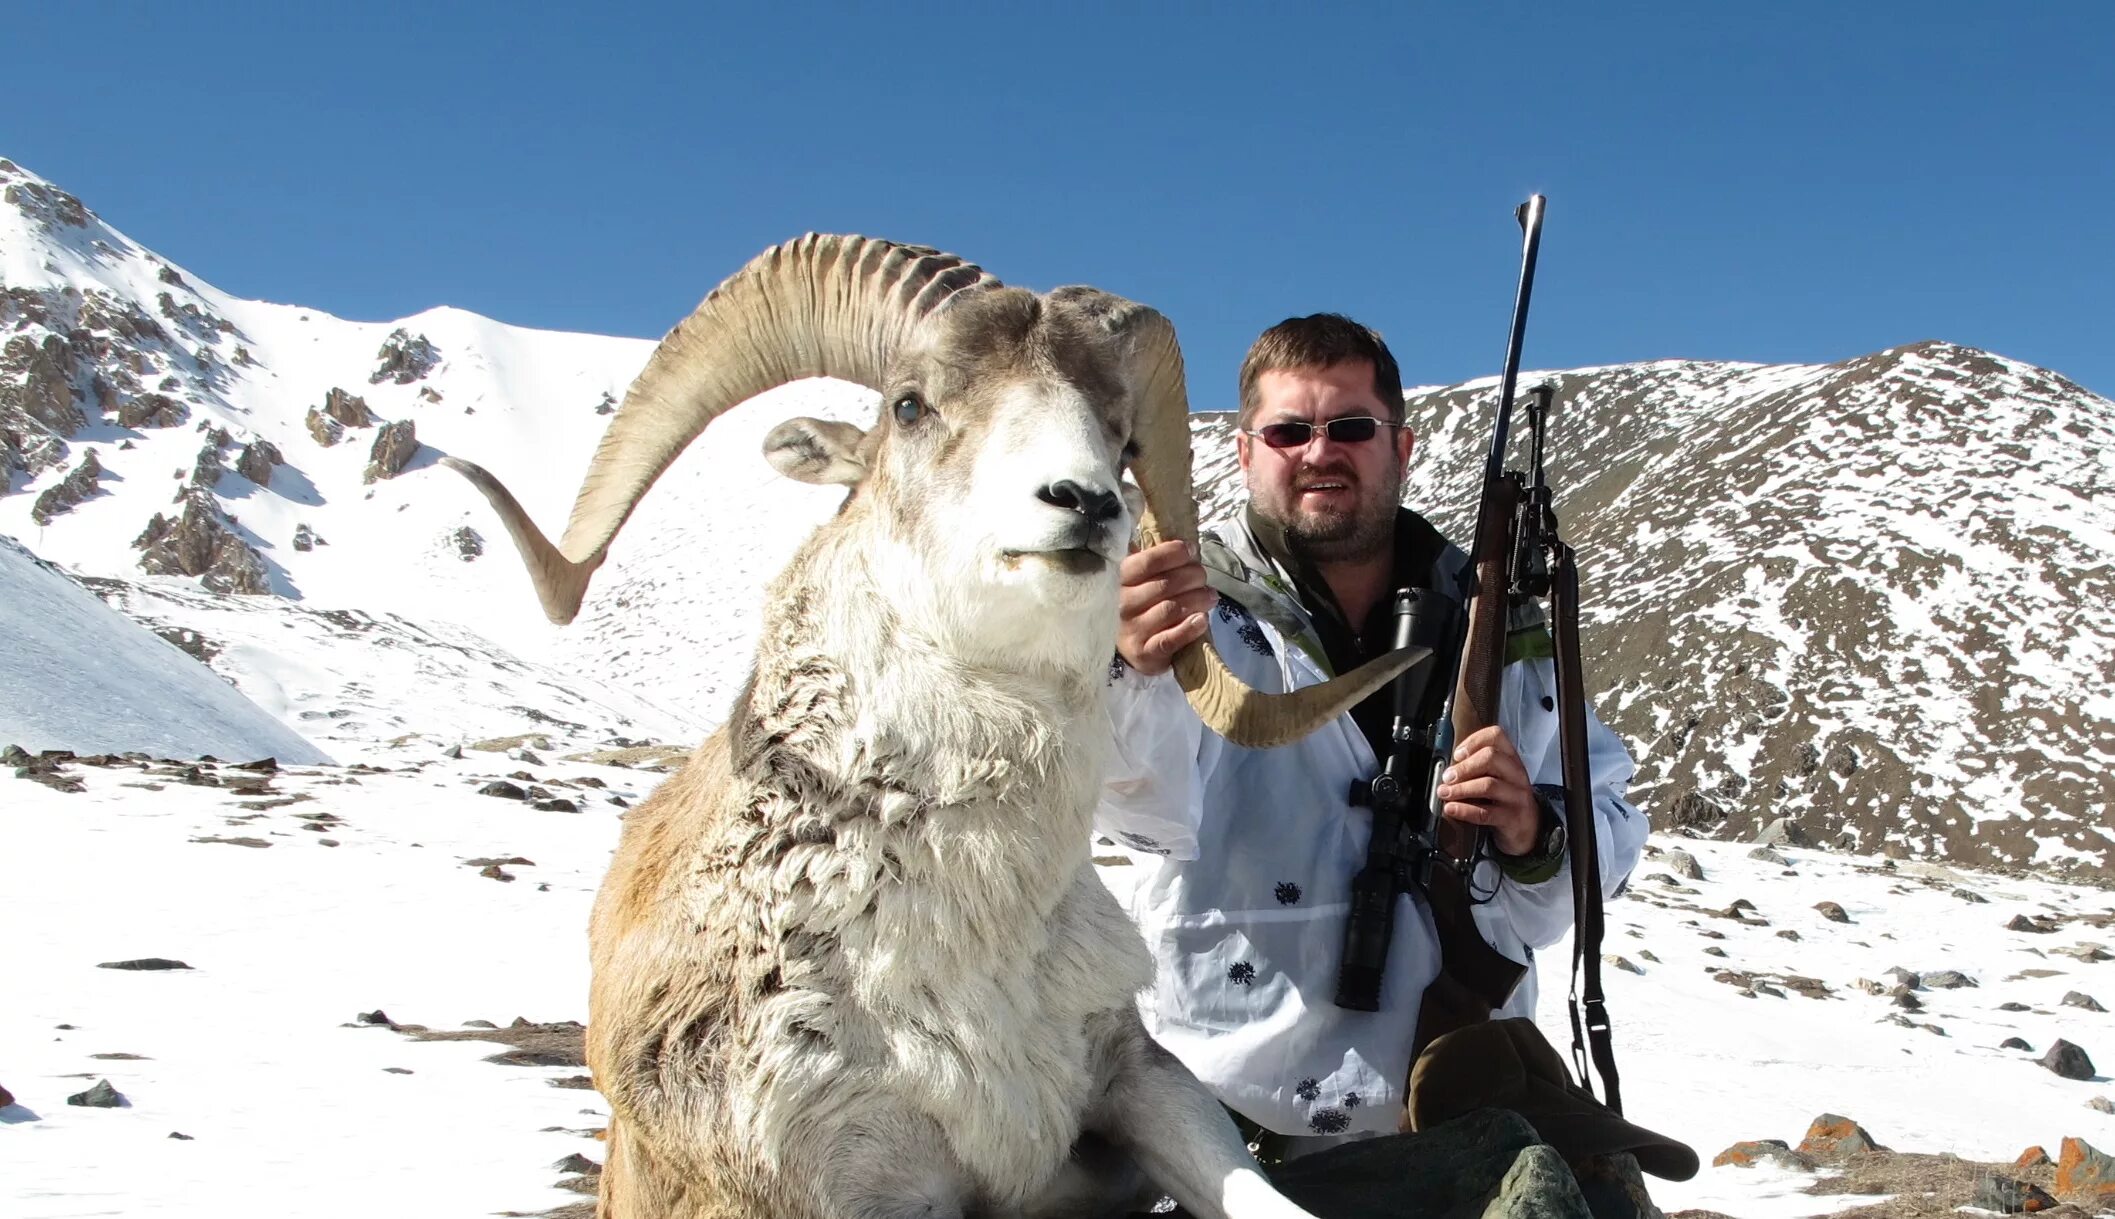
x,y
1784,182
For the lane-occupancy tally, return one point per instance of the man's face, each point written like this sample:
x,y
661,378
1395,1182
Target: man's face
x,y
1336,500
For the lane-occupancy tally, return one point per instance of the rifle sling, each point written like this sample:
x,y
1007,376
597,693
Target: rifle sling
x,y
1582,835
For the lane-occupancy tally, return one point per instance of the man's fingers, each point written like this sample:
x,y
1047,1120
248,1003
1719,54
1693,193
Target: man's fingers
x,y
1161,648
1486,788
1159,587
1474,814
1152,561
1487,763
1160,616
1491,736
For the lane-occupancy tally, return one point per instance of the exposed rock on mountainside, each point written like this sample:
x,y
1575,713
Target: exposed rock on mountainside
x,y
78,485
256,460
394,445
405,357
348,409
198,542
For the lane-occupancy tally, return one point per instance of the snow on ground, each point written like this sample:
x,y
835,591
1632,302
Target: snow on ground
x,y
291,1111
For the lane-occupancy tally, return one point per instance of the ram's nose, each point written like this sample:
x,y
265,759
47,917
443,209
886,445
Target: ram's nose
x,y
1097,505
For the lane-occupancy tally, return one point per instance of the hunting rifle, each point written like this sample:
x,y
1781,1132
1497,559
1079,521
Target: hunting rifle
x,y
1517,557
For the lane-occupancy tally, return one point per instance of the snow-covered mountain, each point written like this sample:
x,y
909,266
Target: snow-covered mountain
x,y
1859,595
80,676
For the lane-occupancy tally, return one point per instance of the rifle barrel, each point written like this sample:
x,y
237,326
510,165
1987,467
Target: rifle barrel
x,y
1530,216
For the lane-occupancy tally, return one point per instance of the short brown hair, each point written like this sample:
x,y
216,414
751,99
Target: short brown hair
x,y
1320,340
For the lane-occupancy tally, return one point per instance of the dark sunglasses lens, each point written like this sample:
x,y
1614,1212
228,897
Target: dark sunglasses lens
x,y
1285,435
1350,431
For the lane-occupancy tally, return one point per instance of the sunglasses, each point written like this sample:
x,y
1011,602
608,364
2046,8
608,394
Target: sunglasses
x,y
1294,434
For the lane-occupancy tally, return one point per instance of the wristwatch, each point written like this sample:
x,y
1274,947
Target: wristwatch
x,y
1546,857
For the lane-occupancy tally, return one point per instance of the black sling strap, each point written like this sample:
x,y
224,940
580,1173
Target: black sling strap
x,y
1588,1006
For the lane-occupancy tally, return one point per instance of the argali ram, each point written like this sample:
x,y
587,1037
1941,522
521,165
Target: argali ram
x,y
853,961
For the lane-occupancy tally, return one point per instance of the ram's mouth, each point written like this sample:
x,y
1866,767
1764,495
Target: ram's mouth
x,y
1072,560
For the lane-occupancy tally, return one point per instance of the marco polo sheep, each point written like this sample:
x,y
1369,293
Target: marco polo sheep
x,y
853,960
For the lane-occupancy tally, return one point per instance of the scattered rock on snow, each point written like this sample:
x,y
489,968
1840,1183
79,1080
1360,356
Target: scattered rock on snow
x,y
1948,979
1748,1154
495,872
2101,1104
2068,1061
256,460
102,1096
502,789
1684,865
394,447
2085,1174
2038,924
2009,1197
1767,855
144,963
1832,912
2080,999
2015,1043
1832,1136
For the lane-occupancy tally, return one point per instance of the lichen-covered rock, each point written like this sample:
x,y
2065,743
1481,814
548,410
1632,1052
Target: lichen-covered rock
x,y
2085,1174
405,357
69,491
1832,1136
198,542
394,446
256,460
152,411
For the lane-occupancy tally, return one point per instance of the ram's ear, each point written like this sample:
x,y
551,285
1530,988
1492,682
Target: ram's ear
x,y
817,451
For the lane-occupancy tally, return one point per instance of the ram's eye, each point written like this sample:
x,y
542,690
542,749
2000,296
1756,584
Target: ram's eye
x,y
908,409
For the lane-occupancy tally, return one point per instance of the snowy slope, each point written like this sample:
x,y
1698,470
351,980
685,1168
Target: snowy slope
x,y
83,677
1869,596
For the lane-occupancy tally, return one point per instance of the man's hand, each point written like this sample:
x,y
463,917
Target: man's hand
x,y
1488,785
1160,606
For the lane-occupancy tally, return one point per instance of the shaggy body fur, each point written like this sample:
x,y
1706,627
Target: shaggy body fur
x,y
838,971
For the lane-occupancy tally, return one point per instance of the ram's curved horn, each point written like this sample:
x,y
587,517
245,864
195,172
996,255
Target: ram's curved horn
x,y
1229,707
818,306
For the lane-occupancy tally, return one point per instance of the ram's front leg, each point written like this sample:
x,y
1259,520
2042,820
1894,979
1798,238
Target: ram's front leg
x,y
1154,1108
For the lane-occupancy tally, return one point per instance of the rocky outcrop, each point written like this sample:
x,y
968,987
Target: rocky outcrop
x,y
152,410
69,492
323,429
198,542
37,402
256,460
207,469
405,357
348,409
394,446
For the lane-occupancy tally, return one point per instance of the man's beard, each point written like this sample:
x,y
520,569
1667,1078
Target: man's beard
x,y
1352,535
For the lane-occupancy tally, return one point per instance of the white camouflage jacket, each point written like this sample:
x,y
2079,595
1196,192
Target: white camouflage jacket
x,y
1246,858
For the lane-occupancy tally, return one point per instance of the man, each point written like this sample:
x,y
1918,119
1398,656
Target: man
x,y
1245,905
